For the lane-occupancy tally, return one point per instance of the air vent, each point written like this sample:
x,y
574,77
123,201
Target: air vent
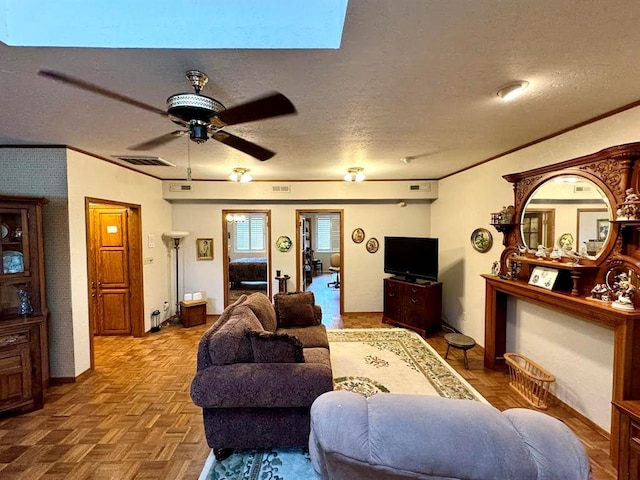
x,y
179,187
281,189
581,188
145,161
420,187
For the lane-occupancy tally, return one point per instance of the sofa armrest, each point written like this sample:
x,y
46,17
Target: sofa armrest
x,y
260,385
317,312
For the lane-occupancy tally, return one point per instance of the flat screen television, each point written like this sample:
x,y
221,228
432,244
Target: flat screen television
x,y
411,257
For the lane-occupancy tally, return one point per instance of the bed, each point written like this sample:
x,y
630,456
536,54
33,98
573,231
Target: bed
x,y
248,269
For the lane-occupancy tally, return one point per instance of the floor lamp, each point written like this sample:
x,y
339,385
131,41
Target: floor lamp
x,y
176,236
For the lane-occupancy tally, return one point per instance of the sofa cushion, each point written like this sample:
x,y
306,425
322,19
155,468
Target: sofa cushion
x,y
311,337
295,309
261,306
317,355
229,344
204,358
275,347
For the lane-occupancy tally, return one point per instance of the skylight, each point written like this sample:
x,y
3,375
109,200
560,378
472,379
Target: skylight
x,y
254,24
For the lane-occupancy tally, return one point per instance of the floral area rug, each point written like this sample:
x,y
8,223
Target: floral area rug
x,y
365,361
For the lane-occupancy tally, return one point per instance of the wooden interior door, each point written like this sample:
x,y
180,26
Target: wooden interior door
x,y
110,283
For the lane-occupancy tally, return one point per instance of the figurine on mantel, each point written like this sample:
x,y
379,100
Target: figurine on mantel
x,y
506,214
630,208
625,291
541,252
600,292
555,254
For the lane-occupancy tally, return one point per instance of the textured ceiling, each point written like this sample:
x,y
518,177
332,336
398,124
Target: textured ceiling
x,y
412,78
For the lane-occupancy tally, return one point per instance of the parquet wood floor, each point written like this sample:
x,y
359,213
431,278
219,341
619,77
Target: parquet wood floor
x,y
132,417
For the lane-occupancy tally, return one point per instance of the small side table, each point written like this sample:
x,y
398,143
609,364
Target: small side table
x,y
282,283
317,266
463,342
193,313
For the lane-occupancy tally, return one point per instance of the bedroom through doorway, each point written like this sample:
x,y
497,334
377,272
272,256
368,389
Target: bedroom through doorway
x,y
246,241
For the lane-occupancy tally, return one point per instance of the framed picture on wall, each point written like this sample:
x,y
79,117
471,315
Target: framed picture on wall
x,y
204,248
602,225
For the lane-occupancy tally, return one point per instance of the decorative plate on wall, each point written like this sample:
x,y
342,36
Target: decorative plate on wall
x,y
372,245
357,235
284,243
566,240
481,240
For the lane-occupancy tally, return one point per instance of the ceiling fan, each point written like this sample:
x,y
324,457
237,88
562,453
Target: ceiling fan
x,y
203,117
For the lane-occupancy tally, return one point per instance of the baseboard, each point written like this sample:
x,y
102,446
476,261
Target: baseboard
x,y
553,400
556,401
62,380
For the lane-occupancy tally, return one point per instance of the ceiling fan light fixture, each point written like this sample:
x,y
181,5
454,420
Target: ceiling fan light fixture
x,y
240,175
354,174
512,90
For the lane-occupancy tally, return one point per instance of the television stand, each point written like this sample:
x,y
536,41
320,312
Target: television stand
x,y
413,305
408,279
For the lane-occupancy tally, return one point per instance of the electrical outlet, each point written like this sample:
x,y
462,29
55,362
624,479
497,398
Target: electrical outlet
x,y
148,260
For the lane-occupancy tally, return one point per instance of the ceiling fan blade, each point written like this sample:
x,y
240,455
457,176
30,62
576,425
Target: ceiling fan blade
x,y
161,140
272,105
243,145
99,90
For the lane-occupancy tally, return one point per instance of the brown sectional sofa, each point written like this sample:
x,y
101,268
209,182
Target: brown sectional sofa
x,y
259,369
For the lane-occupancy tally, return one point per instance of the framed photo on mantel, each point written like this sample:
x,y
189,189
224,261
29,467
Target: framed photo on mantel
x,y
543,277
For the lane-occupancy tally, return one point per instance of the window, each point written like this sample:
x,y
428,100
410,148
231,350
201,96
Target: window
x,y
328,233
250,233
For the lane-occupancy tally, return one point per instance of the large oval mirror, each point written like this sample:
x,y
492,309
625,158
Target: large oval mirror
x,y
567,211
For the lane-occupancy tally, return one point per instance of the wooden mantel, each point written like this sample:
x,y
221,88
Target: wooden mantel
x,y
626,352
613,170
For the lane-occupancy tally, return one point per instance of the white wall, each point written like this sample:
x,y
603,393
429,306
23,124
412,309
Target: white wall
x,y
465,202
362,271
91,177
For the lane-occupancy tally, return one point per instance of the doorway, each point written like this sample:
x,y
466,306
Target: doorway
x,y
319,234
246,243
538,228
114,264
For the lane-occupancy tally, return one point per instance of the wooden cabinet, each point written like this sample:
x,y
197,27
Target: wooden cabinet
x,y
416,306
193,313
24,359
629,440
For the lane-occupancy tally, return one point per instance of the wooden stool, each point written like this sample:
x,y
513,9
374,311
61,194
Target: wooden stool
x,y
460,341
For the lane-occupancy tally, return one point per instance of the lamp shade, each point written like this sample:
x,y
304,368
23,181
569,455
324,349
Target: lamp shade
x,y
175,234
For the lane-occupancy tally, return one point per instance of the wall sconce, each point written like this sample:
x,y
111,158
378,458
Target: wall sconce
x,y
354,174
512,90
240,175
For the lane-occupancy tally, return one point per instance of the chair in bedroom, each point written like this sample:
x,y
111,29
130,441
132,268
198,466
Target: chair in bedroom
x,y
335,268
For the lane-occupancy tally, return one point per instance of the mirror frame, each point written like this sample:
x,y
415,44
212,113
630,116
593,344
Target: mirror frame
x,y
551,178
613,170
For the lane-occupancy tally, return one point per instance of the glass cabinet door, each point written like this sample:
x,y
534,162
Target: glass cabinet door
x,y
15,276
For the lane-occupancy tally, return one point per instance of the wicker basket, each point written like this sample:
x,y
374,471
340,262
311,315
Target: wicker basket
x,y
529,379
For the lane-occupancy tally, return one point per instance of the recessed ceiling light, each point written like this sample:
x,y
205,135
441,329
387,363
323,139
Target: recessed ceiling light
x,y
512,90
